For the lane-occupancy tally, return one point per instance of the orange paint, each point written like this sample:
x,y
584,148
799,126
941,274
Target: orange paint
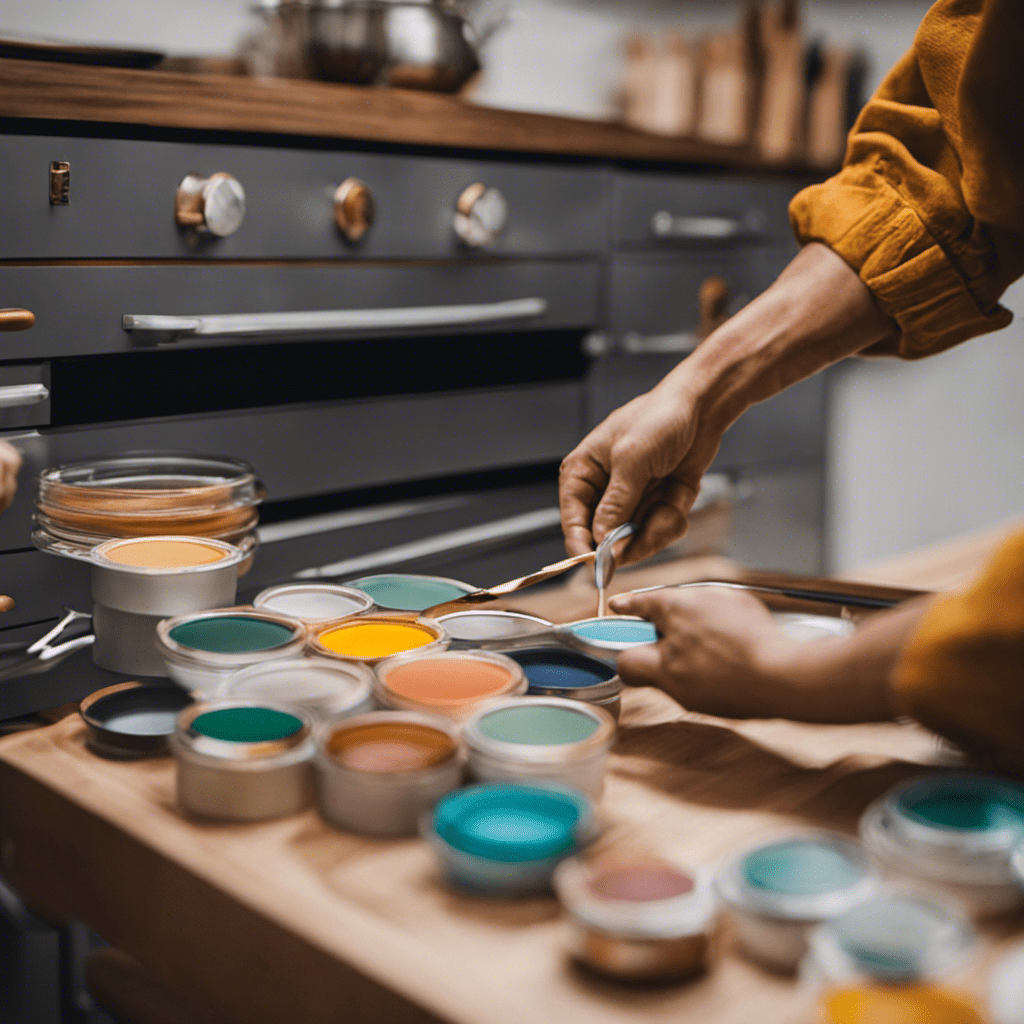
x,y
911,1004
385,747
448,682
375,639
164,554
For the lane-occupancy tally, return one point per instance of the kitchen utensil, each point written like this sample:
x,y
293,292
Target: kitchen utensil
x,y
132,720
25,659
603,562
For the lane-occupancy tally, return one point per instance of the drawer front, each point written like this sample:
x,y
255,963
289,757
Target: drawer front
x,y
122,194
665,210
24,395
79,310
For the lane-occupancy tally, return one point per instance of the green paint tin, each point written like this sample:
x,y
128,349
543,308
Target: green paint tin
x,y
405,592
231,634
247,724
540,724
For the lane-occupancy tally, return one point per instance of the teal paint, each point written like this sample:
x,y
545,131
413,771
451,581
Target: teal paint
x,y
510,824
800,867
406,593
965,804
231,634
538,724
615,631
247,725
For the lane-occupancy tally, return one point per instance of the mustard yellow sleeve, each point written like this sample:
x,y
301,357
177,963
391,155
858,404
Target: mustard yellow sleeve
x,y
962,673
929,205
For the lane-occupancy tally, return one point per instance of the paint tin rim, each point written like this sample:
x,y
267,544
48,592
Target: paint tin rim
x,y
232,556
108,742
606,692
466,588
242,755
440,642
269,593
193,657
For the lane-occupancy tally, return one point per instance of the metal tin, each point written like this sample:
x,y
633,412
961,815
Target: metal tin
x,y
438,637
313,603
507,840
819,876
132,720
521,746
207,671
552,672
659,932
242,780
378,587
453,703
1006,990
493,630
322,687
624,632
130,600
386,802
968,856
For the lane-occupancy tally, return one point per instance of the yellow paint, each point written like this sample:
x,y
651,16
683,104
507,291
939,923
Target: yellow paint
x,y
164,554
913,1004
375,639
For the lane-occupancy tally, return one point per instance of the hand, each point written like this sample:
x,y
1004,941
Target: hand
x,y
10,464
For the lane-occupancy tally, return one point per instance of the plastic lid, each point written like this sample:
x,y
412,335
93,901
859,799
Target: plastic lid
x,y
511,824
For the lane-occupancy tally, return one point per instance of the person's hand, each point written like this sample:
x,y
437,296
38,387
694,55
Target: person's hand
x,y
10,464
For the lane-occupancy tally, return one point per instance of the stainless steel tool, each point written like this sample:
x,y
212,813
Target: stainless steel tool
x,y
603,562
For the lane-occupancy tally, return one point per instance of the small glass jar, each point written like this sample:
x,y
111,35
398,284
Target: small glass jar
x,y
202,651
893,957
545,740
313,603
556,672
372,639
407,592
449,683
379,772
493,630
322,687
955,834
504,840
1006,990
776,892
242,761
637,918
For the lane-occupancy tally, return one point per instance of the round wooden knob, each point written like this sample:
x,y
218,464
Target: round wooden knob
x,y
16,319
354,208
6,603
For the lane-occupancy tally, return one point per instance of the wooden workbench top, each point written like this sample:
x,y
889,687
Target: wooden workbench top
x,y
291,921
68,92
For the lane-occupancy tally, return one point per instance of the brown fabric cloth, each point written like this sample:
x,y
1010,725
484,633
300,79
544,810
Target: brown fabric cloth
x,y
929,205
962,673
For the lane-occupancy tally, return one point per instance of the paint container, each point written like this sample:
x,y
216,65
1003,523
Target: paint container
x,y
449,683
202,651
777,892
240,761
507,840
322,687
138,582
132,720
313,603
608,636
379,772
372,639
541,740
637,919
552,672
1006,991
492,630
954,834
405,592
895,957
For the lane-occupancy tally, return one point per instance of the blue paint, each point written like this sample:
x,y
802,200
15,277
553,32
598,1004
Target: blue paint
x,y
800,867
616,631
550,670
510,824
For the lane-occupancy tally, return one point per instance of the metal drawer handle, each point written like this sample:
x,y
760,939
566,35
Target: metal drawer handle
x,y
705,229
15,396
336,320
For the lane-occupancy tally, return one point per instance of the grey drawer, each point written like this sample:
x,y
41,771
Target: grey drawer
x,y
42,586
79,309
122,202
699,210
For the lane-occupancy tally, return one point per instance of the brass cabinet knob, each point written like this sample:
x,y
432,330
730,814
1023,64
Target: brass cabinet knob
x,y
354,208
213,205
481,214
16,319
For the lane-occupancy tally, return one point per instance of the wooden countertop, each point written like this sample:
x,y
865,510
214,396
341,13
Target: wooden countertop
x,y
292,921
68,92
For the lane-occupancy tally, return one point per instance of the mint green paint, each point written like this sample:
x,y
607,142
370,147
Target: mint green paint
x,y
800,868
400,592
538,724
247,725
231,634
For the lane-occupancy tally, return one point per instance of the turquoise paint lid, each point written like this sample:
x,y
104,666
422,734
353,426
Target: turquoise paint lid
x,y
965,804
410,593
627,632
801,867
511,824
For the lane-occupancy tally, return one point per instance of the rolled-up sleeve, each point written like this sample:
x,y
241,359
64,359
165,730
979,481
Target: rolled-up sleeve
x,y
912,210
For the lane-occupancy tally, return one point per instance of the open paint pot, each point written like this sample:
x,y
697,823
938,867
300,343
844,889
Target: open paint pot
x,y
777,892
637,918
202,651
608,636
379,772
313,603
554,672
132,720
241,761
449,683
138,582
405,592
492,630
507,840
374,638
1006,991
322,687
546,740
955,834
